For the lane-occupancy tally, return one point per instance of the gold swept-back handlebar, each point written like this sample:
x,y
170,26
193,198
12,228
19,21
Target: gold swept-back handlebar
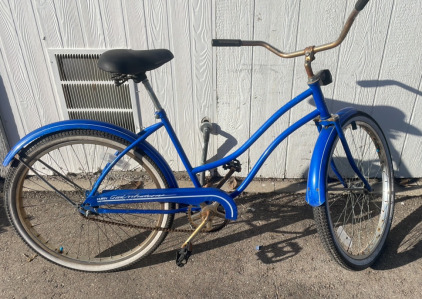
x,y
316,49
307,52
360,4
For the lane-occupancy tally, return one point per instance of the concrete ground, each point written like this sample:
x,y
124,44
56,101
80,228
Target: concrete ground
x,y
272,251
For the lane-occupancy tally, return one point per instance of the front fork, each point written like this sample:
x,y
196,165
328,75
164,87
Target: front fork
x,y
335,120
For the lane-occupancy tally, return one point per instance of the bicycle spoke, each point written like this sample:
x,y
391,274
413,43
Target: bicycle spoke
x,y
356,213
60,169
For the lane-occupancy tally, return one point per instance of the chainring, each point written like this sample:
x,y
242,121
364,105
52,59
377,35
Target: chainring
x,y
216,220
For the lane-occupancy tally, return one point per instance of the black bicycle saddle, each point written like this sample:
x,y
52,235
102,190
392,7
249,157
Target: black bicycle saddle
x,y
133,62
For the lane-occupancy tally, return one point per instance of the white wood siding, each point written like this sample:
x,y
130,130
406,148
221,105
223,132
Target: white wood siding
x,y
378,69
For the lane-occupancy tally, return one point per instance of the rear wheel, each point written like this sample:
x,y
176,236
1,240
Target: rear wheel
x,y
67,164
353,222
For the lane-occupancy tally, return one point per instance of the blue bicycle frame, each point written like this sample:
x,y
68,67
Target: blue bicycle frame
x,y
195,196
329,127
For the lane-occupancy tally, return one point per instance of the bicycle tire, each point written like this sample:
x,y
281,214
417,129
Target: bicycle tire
x,y
55,229
353,224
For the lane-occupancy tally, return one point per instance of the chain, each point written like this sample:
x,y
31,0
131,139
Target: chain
x,y
151,228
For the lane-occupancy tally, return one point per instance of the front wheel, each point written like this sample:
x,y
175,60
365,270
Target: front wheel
x,y
66,165
354,222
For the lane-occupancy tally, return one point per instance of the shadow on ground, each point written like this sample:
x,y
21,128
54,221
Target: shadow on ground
x,y
404,244
265,213
4,222
273,214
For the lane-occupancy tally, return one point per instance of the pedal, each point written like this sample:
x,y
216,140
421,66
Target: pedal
x,y
233,165
183,254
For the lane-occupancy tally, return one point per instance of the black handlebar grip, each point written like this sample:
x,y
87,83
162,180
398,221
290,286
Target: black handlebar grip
x,y
226,43
361,4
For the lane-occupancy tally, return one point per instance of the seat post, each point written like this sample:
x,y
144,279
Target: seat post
x,y
152,95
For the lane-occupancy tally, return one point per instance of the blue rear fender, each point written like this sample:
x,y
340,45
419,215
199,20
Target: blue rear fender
x,y
69,125
316,189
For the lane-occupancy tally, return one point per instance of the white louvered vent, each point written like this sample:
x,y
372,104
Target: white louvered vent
x,y
89,93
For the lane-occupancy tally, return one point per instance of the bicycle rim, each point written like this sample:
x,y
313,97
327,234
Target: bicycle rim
x,y
56,229
359,220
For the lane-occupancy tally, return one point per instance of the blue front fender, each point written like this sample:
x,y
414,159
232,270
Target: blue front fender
x,y
68,125
316,189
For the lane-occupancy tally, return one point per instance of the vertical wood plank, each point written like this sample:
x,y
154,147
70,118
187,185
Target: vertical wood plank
x,y
318,23
14,65
234,19
136,25
180,37
69,23
399,89
410,155
35,62
272,77
203,103
25,64
361,56
156,16
136,34
10,113
50,30
113,23
91,23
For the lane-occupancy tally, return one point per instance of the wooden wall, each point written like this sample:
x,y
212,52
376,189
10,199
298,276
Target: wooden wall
x,y
376,69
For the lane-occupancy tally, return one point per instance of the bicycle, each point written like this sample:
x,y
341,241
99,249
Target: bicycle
x,y
92,196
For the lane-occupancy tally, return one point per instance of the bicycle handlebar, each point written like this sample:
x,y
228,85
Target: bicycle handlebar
x,y
227,43
239,43
361,4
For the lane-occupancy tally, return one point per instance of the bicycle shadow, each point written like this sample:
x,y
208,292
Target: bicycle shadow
x,y
404,243
392,120
229,143
382,83
4,222
6,113
393,257
293,210
278,212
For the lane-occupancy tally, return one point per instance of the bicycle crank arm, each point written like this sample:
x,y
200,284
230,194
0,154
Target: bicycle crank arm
x,y
183,254
198,229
